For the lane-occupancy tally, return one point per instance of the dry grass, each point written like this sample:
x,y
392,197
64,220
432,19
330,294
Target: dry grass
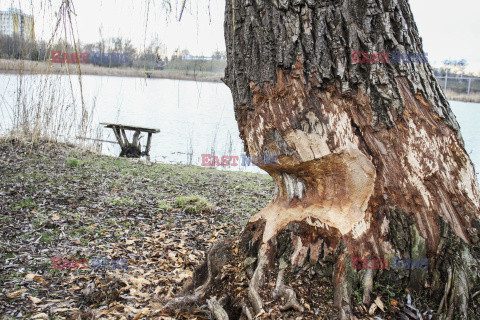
x,y
46,67
452,95
44,107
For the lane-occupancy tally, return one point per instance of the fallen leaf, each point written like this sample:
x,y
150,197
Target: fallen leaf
x,y
15,293
35,300
183,275
40,316
139,282
372,309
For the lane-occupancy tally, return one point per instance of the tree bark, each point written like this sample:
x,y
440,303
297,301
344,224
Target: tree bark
x,y
371,163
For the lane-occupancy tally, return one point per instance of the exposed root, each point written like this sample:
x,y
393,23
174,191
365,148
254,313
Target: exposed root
x,y
475,294
246,311
217,309
283,291
455,287
451,306
257,281
216,258
447,290
198,293
368,287
462,292
189,299
343,289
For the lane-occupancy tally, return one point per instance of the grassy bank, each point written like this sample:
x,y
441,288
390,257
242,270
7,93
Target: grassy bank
x,y
34,67
455,96
59,201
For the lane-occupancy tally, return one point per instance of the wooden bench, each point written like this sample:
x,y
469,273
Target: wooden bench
x,y
133,149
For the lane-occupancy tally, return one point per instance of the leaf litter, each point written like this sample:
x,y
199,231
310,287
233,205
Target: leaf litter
x,y
108,208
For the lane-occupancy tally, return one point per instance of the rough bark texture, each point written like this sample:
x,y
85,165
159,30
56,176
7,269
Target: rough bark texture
x,y
371,162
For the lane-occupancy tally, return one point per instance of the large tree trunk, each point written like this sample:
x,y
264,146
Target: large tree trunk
x,y
371,162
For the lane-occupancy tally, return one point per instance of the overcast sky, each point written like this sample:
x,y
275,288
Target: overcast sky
x,y
450,29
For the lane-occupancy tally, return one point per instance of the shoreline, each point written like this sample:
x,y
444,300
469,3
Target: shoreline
x,y
45,67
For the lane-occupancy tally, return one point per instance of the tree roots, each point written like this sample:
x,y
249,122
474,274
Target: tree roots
x,y
255,304
252,261
216,258
257,281
287,293
217,309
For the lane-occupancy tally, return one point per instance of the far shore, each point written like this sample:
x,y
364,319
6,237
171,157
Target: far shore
x,y
42,67
45,67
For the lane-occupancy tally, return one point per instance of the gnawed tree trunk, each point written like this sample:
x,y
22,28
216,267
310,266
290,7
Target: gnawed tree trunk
x,y
371,162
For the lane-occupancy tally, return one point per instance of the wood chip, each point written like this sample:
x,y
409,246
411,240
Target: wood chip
x,y
15,293
372,309
379,303
35,300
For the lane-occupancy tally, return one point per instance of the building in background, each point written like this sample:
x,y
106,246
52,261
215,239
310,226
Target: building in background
x,y
15,22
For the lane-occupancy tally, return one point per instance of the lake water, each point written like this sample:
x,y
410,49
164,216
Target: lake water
x,y
195,118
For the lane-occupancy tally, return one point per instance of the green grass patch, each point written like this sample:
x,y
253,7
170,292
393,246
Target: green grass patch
x,y
193,204
45,237
163,206
122,201
72,162
27,203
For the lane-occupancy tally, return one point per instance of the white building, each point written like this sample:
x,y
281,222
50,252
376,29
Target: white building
x,y
15,22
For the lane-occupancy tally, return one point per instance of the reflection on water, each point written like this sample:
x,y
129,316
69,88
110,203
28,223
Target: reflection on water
x,y
195,118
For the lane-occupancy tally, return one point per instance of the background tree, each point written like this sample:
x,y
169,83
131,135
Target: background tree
x,y
371,160
457,66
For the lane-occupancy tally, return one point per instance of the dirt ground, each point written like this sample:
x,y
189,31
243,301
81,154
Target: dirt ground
x,y
138,229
